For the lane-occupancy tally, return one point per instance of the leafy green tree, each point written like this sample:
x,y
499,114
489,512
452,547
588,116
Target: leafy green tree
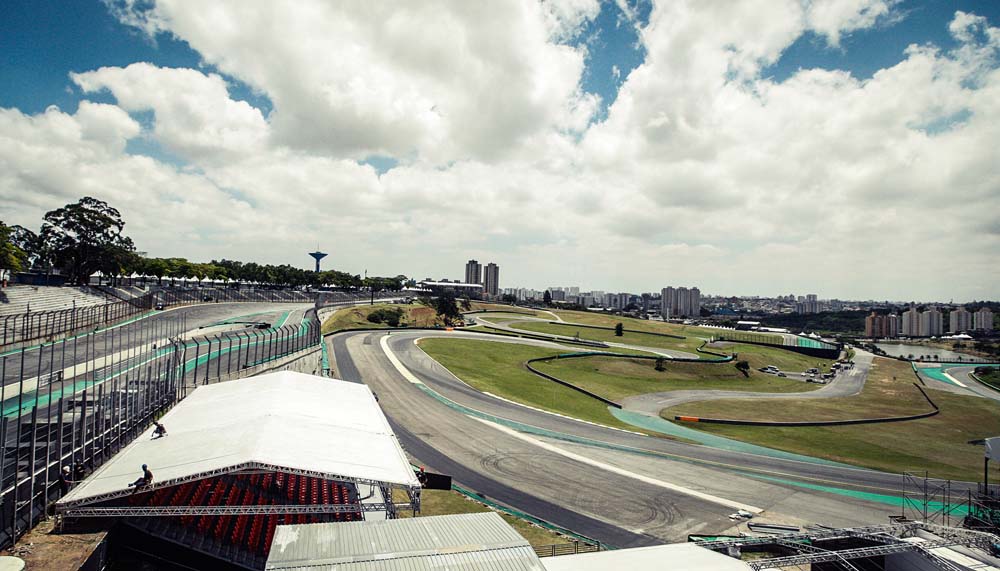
x,y
80,235
157,267
466,304
743,367
619,330
547,297
447,308
12,257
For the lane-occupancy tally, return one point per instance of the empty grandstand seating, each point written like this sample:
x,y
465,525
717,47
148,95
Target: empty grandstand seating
x,y
17,298
244,538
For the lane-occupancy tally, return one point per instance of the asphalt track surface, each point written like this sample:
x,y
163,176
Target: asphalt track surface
x,y
616,486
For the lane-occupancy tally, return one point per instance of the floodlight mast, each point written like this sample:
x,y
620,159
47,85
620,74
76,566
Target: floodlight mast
x,y
317,255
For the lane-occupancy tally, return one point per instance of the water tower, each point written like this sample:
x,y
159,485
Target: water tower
x,y
317,255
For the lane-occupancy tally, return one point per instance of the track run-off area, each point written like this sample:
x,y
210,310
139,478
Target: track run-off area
x,y
643,480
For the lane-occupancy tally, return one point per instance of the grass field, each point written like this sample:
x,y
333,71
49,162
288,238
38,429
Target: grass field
x,y
498,368
591,318
414,315
938,444
761,356
689,345
618,378
480,306
449,502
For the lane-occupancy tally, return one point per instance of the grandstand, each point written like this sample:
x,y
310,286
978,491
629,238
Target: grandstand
x,y
243,457
17,299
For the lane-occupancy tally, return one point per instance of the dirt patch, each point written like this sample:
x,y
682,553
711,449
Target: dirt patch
x,y
43,549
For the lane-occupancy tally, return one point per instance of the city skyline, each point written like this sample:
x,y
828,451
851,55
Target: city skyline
x,y
804,146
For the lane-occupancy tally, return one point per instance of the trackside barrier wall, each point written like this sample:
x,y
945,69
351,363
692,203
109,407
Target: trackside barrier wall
x,y
567,324
610,355
810,351
77,402
847,422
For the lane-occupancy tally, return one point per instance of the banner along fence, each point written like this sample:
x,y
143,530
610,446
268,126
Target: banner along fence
x,y
79,401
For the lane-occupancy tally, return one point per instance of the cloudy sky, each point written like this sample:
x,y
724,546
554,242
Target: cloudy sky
x,y
849,148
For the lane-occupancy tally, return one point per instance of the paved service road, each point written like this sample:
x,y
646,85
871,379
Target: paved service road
x,y
844,384
620,487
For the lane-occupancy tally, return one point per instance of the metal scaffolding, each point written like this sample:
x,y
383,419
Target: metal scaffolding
x,y
268,509
889,539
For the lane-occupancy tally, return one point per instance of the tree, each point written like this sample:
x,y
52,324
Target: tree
x,y
660,364
155,267
743,367
619,330
447,308
12,257
547,297
80,235
466,304
509,298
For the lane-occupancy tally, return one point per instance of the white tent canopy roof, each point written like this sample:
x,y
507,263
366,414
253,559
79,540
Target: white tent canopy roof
x,y
284,421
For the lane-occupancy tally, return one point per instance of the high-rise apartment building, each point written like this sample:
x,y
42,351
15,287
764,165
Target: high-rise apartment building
x,y
910,325
882,326
959,320
473,272
491,280
680,302
808,304
982,320
930,323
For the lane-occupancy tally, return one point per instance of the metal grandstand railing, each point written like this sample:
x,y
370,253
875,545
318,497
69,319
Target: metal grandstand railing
x,y
32,326
78,401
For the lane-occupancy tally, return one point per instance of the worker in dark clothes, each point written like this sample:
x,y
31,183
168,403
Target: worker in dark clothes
x,y
145,480
64,480
160,430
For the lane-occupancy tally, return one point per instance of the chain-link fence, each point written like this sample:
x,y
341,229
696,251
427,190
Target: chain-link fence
x,y
76,402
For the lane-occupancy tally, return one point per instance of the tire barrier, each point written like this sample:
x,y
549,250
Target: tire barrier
x,y
936,410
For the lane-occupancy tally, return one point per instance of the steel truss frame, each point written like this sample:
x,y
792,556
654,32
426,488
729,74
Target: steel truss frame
x,y
270,509
239,469
890,536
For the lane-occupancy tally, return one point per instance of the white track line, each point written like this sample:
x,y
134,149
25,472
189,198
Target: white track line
x,y
622,472
660,483
384,342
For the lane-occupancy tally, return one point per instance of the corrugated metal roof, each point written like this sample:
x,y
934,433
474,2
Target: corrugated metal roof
x,y
675,557
480,541
285,419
